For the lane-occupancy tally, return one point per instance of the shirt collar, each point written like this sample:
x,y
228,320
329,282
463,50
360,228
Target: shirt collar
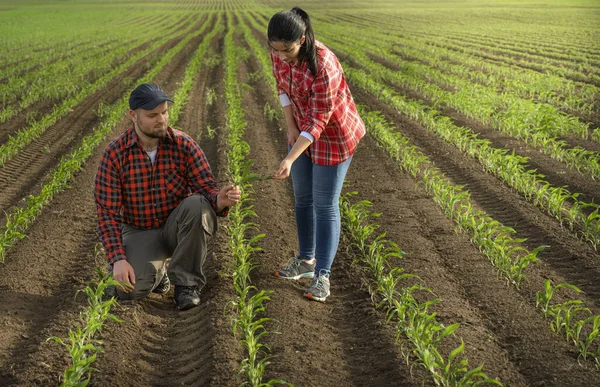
x,y
132,138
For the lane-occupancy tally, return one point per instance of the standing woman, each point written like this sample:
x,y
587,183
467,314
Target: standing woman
x,y
324,129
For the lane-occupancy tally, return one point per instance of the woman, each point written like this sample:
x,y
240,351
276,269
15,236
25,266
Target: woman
x,y
324,129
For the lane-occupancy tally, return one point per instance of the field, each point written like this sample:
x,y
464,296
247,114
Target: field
x,y
471,223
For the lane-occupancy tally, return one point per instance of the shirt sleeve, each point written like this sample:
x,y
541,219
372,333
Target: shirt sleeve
x,y
276,66
107,195
201,177
322,100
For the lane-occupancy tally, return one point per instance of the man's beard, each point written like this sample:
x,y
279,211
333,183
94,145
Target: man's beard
x,y
162,134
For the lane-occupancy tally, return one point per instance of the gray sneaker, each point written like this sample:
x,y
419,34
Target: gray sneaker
x,y
297,268
319,289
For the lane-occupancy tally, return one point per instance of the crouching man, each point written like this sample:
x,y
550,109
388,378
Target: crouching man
x,y
157,198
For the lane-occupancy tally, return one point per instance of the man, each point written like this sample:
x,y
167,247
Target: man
x,y
156,198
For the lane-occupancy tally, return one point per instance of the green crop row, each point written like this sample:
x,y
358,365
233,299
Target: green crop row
x,y
81,342
390,289
20,218
250,303
532,126
527,84
507,166
24,136
566,317
64,78
493,239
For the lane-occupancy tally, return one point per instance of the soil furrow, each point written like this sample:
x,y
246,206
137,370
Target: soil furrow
x,y
328,344
566,252
500,326
55,278
22,175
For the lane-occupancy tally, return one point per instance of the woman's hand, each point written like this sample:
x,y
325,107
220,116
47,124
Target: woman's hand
x,y
285,168
228,196
292,134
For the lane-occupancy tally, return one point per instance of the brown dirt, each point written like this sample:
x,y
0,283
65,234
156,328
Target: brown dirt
x,y
38,302
22,175
41,108
343,342
196,347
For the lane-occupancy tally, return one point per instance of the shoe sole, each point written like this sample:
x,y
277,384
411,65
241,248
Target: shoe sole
x,y
186,306
305,275
310,296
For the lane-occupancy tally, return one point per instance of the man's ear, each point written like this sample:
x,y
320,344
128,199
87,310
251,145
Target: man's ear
x,y
132,115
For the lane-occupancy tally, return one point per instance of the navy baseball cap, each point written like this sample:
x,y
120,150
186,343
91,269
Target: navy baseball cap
x,y
147,96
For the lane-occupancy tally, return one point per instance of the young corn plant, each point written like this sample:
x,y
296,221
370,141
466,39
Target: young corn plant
x,y
564,319
414,320
250,303
80,343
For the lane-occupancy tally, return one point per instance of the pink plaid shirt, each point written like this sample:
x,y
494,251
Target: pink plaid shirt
x,y
322,106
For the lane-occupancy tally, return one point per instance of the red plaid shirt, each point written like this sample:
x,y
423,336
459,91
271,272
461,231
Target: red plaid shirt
x,y
129,189
322,106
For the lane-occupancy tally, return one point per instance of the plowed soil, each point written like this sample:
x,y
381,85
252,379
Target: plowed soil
x,y
342,342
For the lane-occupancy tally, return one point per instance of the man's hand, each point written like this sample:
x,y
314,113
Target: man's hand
x,y
228,196
123,272
292,135
285,168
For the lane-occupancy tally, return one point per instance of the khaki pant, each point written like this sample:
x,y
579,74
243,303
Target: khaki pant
x,y
183,237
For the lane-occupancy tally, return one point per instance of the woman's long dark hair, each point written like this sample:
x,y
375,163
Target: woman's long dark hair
x,y
290,26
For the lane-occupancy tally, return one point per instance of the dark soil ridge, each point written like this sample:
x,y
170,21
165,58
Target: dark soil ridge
x,y
194,347
351,340
556,172
41,108
24,174
52,278
567,255
500,327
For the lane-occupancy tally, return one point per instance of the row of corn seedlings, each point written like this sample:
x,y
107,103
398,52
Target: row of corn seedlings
x,y
555,90
493,239
20,218
24,136
61,80
573,319
66,77
80,343
570,68
532,123
394,291
250,302
508,167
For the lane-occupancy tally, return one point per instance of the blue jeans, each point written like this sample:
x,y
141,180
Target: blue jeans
x,y
317,191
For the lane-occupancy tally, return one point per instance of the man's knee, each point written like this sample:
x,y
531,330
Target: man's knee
x,y
197,208
140,290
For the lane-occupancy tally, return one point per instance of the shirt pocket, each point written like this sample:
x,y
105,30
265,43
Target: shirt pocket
x,y
301,89
175,184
